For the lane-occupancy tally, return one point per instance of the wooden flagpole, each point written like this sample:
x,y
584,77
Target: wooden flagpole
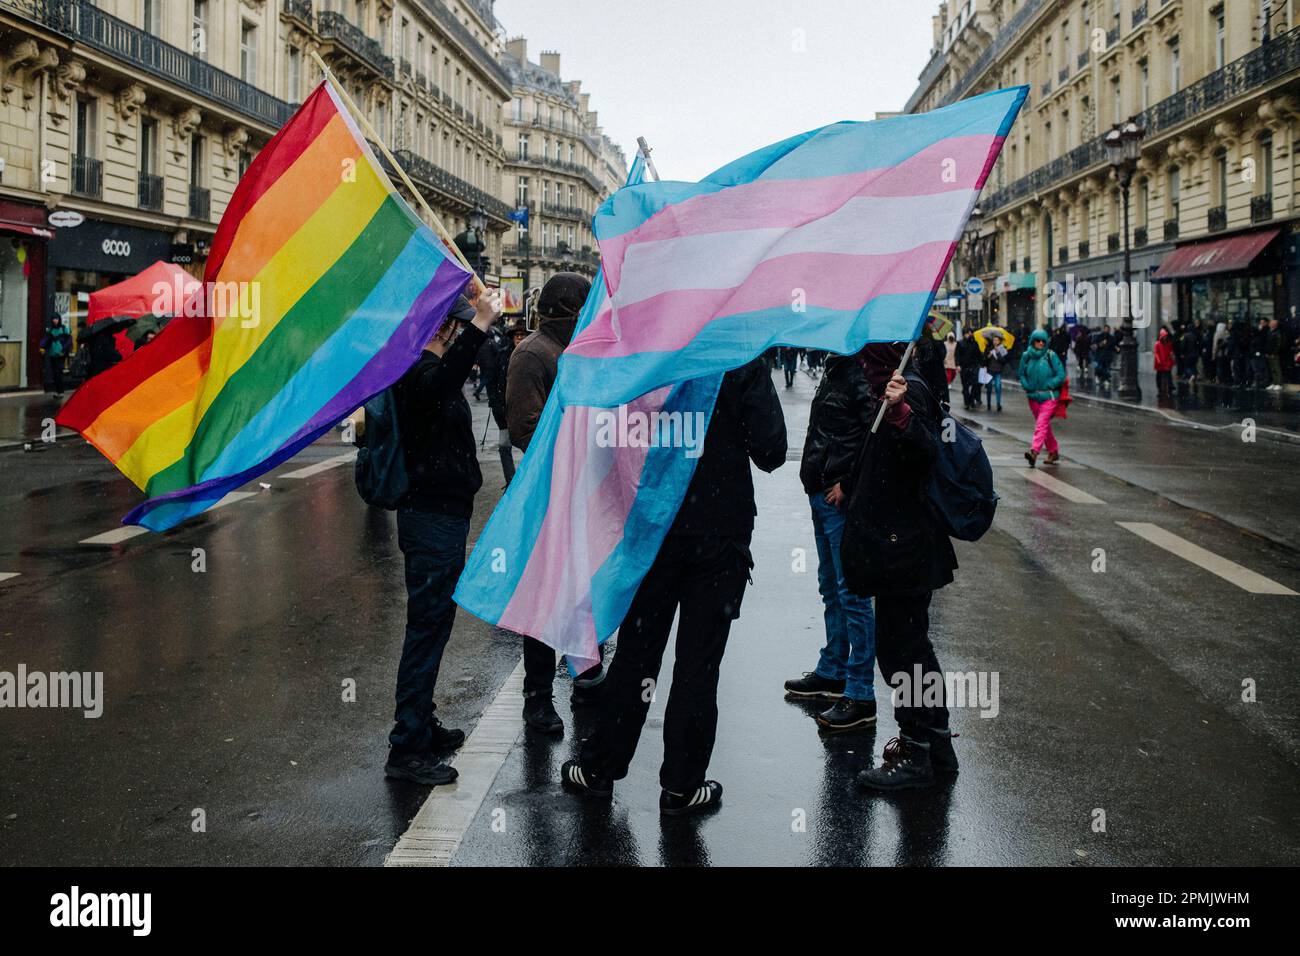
x,y
907,354
370,131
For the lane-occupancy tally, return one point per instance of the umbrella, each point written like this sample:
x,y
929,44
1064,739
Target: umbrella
x,y
939,325
115,307
985,335
144,325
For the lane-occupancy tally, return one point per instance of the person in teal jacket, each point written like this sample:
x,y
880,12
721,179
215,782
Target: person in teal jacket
x,y
1041,376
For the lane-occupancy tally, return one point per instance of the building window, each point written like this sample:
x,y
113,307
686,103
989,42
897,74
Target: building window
x,y
1175,68
245,160
248,52
150,20
1144,77
570,152
85,133
199,28
1143,201
197,172
517,109
1221,178
293,81
1220,41
523,145
1264,181
1117,101
1175,193
148,146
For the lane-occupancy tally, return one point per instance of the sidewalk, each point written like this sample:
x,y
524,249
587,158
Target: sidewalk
x,y
23,416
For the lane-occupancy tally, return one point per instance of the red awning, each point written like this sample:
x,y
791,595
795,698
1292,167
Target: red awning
x,y
138,296
23,229
1229,254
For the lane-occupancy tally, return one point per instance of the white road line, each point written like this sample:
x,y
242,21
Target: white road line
x,y
1069,492
1230,571
6,575
312,470
439,827
126,532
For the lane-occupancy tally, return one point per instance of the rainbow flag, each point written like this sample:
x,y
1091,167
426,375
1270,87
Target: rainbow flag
x,y
828,240
321,289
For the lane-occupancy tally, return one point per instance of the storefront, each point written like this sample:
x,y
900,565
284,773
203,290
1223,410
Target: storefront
x,y
96,254
1019,290
24,238
1232,278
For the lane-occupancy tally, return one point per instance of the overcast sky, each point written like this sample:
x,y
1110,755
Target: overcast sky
x,y
706,81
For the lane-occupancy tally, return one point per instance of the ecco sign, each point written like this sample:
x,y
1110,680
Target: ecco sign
x,y
116,247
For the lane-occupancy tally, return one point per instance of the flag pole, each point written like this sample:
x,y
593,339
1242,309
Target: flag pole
x,y
644,149
360,117
907,354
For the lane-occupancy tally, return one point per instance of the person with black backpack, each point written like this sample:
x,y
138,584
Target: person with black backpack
x,y
440,458
896,550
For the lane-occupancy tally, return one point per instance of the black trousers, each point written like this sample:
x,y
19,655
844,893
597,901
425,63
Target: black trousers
x,y
539,666
902,643
705,578
970,385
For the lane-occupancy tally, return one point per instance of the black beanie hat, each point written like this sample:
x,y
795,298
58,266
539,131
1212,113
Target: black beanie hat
x,y
563,295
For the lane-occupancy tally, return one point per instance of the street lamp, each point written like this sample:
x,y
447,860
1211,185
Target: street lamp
x,y
972,234
1123,146
472,243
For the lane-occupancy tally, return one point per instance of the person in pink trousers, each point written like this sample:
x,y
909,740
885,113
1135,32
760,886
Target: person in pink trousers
x,y
1042,376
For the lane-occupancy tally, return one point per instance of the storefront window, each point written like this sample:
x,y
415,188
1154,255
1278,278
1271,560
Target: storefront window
x,y
13,313
1227,298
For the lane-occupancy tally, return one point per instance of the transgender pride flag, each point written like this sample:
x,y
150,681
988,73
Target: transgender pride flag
x,y
827,240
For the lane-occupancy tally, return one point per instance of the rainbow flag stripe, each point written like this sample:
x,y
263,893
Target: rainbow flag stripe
x,y
321,289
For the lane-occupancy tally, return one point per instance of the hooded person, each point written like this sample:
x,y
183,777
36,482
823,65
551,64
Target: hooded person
x,y
1163,359
529,377
1042,374
894,550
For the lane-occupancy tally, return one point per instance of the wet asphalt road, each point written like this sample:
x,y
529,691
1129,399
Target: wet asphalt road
x,y
1118,691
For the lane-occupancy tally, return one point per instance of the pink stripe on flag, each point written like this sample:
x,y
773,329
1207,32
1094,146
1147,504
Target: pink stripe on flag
x,y
828,280
778,203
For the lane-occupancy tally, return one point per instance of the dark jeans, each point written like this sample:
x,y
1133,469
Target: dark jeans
x,y
433,545
706,577
54,374
1165,383
970,386
902,642
789,376
539,666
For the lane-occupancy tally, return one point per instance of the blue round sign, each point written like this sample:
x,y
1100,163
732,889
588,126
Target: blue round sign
x,y
974,286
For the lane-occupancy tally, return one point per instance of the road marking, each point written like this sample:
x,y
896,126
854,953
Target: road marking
x,y
1244,578
126,532
6,575
1069,492
439,827
312,470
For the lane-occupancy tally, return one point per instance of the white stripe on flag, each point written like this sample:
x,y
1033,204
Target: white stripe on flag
x,y
863,226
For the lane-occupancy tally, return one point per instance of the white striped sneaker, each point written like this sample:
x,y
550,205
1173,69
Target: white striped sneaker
x,y
575,778
708,794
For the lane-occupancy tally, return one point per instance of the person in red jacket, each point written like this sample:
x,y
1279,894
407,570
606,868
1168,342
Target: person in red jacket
x,y
1164,360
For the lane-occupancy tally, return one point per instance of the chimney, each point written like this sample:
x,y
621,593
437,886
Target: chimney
x,y
550,62
517,47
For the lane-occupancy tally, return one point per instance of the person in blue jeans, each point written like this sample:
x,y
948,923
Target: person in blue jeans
x,y
432,529
838,425
995,362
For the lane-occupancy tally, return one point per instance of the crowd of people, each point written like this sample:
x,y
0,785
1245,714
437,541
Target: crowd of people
x,y
881,554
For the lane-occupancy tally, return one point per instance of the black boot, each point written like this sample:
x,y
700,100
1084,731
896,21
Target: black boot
x,y
943,758
847,714
814,685
445,739
586,686
540,715
906,766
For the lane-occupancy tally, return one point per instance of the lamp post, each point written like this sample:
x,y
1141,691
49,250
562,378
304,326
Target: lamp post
x,y
1123,145
972,235
472,242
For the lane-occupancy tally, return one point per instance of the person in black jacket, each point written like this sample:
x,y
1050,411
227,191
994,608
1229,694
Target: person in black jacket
x,y
702,568
969,359
846,670
432,528
895,551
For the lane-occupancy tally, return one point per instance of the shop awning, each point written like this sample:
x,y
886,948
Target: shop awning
x,y
1229,254
1015,281
23,229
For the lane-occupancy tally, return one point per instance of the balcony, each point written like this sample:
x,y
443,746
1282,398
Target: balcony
x,y
1112,37
407,69
298,9
1261,66
150,191
87,175
1140,237
84,22
573,169
1063,255
455,188
565,212
337,29
558,253
1085,248
1261,208
1084,57
1047,88
1217,219
1171,229
1112,242
466,39
1008,35
1063,76
1139,15
200,203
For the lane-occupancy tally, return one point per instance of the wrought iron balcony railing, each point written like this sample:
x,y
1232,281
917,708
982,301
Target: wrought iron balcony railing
x,y
1084,57
565,212
335,26
1171,229
458,30
1112,242
200,203
1216,219
1085,248
87,177
1261,208
427,174
1063,255
299,9
151,192
84,22
1140,238
1139,15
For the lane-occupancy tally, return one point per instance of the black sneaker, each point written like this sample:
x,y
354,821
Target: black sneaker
x,y
847,714
813,684
943,758
708,794
540,715
445,739
419,768
906,767
585,686
573,777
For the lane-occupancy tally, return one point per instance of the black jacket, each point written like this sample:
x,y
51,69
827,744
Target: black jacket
x,y
437,431
968,354
892,543
838,422
747,425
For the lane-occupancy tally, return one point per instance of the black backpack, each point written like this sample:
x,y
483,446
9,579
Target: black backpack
x,y
960,489
381,475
